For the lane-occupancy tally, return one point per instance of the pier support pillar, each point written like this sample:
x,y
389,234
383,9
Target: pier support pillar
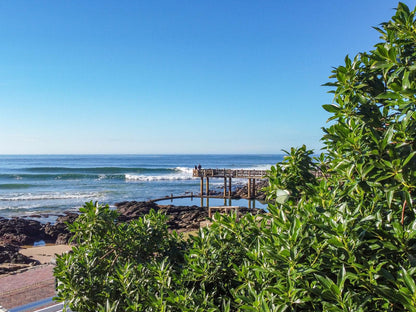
x,y
229,188
249,189
225,186
202,186
254,188
207,186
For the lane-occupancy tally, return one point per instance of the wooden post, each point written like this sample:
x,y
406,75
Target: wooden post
x,y
229,188
254,188
202,186
249,189
225,185
207,186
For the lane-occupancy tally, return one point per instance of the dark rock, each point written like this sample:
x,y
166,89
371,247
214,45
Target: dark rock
x,y
215,193
7,251
35,216
59,232
21,231
9,268
69,217
133,209
10,254
254,211
63,238
16,232
184,217
14,239
179,217
260,194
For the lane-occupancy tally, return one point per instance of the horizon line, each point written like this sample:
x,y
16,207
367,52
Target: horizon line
x,y
141,154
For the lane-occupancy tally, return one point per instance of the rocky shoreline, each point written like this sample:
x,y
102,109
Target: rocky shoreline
x,y
19,231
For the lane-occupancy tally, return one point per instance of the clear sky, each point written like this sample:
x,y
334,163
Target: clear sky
x,y
174,76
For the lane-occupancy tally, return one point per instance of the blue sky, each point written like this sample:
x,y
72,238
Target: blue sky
x,y
173,76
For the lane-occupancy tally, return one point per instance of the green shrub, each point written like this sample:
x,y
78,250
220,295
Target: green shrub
x,y
294,176
127,265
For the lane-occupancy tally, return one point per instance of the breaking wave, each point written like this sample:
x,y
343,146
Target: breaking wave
x,y
49,196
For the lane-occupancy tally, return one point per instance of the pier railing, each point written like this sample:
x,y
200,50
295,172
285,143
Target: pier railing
x,y
230,173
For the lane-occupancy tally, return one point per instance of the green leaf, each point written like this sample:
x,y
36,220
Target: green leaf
x,y
410,283
342,276
331,108
388,96
408,158
390,195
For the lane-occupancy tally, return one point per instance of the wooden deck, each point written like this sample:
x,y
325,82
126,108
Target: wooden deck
x,y
230,173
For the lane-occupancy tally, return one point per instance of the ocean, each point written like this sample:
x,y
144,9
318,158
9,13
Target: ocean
x,y
51,184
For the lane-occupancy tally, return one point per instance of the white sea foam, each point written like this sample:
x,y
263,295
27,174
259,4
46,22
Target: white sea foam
x,y
101,177
19,207
185,170
151,178
181,173
48,196
262,167
185,173
256,167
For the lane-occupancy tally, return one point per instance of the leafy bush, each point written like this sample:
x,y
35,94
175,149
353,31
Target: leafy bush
x,y
345,242
117,266
294,176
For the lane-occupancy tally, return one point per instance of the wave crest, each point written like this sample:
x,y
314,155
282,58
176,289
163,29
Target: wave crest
x,y
146,178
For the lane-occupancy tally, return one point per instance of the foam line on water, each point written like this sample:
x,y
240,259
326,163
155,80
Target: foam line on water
x,y
49,196
146,178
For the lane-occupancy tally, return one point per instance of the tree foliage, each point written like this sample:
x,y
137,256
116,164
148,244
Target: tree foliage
x,y
293,177
344,242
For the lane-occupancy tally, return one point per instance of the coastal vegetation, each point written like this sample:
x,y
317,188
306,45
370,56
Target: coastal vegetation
x,y
343,242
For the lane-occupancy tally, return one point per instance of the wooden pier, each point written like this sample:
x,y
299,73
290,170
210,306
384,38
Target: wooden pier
x,y
227,175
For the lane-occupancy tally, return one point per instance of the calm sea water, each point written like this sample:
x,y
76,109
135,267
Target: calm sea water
x,y
54,183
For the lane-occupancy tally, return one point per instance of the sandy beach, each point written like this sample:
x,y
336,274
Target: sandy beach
x,y
44,254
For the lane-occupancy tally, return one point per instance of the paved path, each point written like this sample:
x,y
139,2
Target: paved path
x,y
29,286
